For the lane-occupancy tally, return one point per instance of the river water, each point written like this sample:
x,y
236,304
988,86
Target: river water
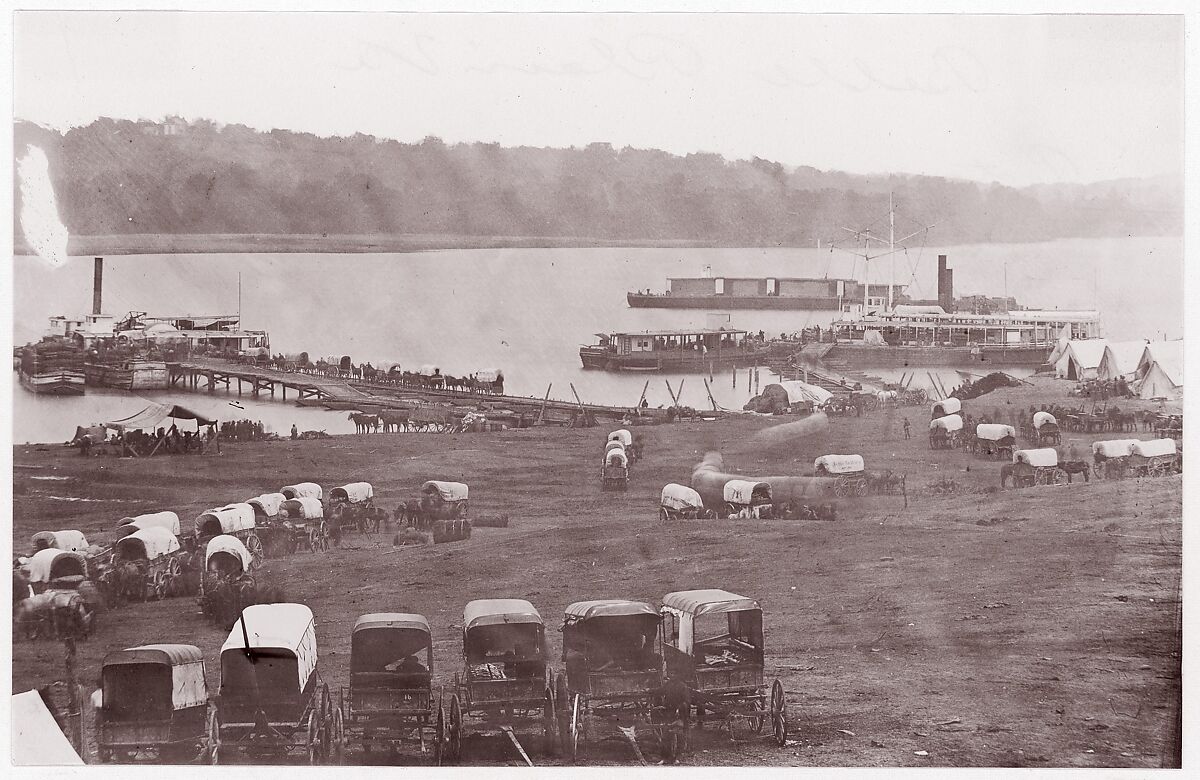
x,y
527,311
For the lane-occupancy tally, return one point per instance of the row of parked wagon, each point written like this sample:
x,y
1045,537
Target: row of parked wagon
x,y
620,449
626,664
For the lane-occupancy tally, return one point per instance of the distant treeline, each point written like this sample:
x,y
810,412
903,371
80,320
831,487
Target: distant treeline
x,y
176,178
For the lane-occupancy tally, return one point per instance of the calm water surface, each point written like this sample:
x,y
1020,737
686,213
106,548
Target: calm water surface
x,y
527,311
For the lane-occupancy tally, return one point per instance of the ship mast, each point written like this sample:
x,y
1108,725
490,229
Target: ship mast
x,y
894,245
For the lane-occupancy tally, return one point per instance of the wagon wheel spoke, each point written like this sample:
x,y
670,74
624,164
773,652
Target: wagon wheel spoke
x,y
778,713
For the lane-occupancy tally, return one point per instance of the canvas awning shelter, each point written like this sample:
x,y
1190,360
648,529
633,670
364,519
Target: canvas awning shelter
x,y
36,738
1081,359
152,415
801,392
1120,359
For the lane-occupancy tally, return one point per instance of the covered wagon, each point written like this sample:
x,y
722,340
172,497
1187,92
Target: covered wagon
x,y
621,435
1153,458
158,562
351,506
271,696
152,705
444,500
1045,428
506,680
1110,457
235,520
995,440
304,520
54,568
944,432
848,471
746,498
680,502
167,520
614,474
1044,462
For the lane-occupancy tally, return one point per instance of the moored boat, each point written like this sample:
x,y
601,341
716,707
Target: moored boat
x,y
53,366
129,375
697,350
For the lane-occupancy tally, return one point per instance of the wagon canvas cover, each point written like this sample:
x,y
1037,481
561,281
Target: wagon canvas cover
x,y
72,541
613,444
355,492
703,602
167,520
994,431
840,464
228,544
740,491
188,688
948,406
621,435
41,563
449,491
1114,448
802,392
491,612
680,497
949,423
278,627
616,458
303,490
1044,457
1042,418
1154,448
587,610
155,541
269,503
231,518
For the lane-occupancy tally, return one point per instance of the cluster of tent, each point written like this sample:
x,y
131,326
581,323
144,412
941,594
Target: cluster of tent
x,y
1153,369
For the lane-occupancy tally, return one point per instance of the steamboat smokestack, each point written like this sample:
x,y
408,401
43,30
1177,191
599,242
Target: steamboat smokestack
x,y
945,283
97,285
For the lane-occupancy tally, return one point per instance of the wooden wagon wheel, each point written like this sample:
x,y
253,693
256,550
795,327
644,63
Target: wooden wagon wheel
x,y
158,585
314,540
860,487
778,713
312,744
339,737
255,546
549,723
571,742
839,488
454,737
663,516
760,707
323,536
439,734
214,738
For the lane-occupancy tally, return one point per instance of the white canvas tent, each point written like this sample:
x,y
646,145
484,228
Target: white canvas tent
x,y
1081,359
36,738
1160,370
1120,359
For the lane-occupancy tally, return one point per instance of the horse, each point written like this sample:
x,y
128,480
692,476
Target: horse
x,y
411,513
394,419
58,613
1075,467
364,423
1022,474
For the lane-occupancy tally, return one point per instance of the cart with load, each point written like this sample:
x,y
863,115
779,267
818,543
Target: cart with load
x,y
272,532
506,683
946,408
612,671
1045,429
680,502
64,601
1153,458
234,520
944,432
351,506
1110,458
615,472
995,440
444,508
848,471
70,541
1044,462
152,705
272,700
745,499
303,490
391,698
713,642
227,564
158,559
304,519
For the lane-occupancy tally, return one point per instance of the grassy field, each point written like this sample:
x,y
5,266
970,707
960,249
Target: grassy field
x,y
1035,627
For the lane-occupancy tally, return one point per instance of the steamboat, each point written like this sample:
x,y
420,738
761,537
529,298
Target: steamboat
x,y
682,351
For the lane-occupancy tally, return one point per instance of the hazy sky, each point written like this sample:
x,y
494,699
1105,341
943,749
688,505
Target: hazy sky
x,y
1012,99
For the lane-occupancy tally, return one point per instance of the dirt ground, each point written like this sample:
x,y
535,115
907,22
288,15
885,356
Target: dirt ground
x,y
1035,627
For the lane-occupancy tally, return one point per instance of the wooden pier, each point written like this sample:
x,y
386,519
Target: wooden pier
x,y
209,376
